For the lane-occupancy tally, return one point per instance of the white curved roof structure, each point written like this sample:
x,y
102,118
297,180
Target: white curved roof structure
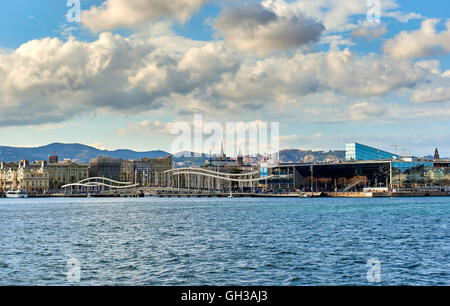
x,y
102,182
244,177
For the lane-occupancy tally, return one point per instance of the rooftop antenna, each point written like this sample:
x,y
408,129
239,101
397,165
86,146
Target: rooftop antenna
x,y
396,148
222,151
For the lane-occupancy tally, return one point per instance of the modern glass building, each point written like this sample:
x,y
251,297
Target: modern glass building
x,y
420,174
399,175
356,151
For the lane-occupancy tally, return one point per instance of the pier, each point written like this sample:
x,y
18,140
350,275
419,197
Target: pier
x,y
144,192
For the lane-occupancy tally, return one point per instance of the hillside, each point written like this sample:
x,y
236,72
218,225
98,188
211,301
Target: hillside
x,y
80,152
296,156
84,153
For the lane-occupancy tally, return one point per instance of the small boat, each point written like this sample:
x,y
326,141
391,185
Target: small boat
x,y
17,194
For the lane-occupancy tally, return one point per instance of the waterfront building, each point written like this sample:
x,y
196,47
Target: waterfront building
x,y
8,176
356,151
158,167
8,165
127,171
357,175
105,167
240,159
143,172
32,178
146,171
66,172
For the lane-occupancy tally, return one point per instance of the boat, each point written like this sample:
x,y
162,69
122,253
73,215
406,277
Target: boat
x,y
17,194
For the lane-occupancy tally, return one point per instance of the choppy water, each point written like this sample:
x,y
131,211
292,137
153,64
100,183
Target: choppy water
x,y
155,241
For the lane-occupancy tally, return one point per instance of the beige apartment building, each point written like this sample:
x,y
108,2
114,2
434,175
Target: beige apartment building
x,y
66,172
146,171
23,176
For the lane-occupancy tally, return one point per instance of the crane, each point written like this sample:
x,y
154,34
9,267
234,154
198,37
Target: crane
x,y
404,151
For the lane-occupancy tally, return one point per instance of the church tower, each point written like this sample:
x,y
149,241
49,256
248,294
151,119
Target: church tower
x,y
436,154
222,152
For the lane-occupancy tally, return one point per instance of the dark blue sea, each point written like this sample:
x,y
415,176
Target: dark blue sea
x,y
221,241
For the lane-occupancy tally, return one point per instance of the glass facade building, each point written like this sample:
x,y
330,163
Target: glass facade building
x,y
356,151
420,175
355,176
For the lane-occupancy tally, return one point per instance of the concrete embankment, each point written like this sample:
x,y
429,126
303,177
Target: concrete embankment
x,y
389,194
261,195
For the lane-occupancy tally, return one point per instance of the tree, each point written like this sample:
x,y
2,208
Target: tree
x,y
341,182
325,181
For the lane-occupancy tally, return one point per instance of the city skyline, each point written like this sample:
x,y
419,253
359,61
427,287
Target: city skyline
x,y
70,151
120,80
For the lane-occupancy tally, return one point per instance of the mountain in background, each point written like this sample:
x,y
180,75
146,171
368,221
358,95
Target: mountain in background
x,y
84,153
80,152
308,156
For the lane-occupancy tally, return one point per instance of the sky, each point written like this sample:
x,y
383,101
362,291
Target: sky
x,y
329,71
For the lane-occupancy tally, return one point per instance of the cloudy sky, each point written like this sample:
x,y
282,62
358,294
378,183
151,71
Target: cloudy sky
x,y
325,69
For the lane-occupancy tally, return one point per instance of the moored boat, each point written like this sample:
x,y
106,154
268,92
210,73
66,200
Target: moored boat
x,y
17,194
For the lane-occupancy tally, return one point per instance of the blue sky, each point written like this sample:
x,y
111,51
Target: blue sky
x,y
122,76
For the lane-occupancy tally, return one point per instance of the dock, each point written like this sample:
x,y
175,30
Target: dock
x,y
260,195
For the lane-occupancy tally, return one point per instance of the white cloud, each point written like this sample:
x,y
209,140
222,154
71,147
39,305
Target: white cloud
x,y
146,127
370,32
403,17
340,17
50,81
259,30
369,75
421,43
54,126
366,110
432,66
113,14
336,15
99,145
438,94
436,88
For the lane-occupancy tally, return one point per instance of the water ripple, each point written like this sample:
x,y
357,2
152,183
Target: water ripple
x,y
214,241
